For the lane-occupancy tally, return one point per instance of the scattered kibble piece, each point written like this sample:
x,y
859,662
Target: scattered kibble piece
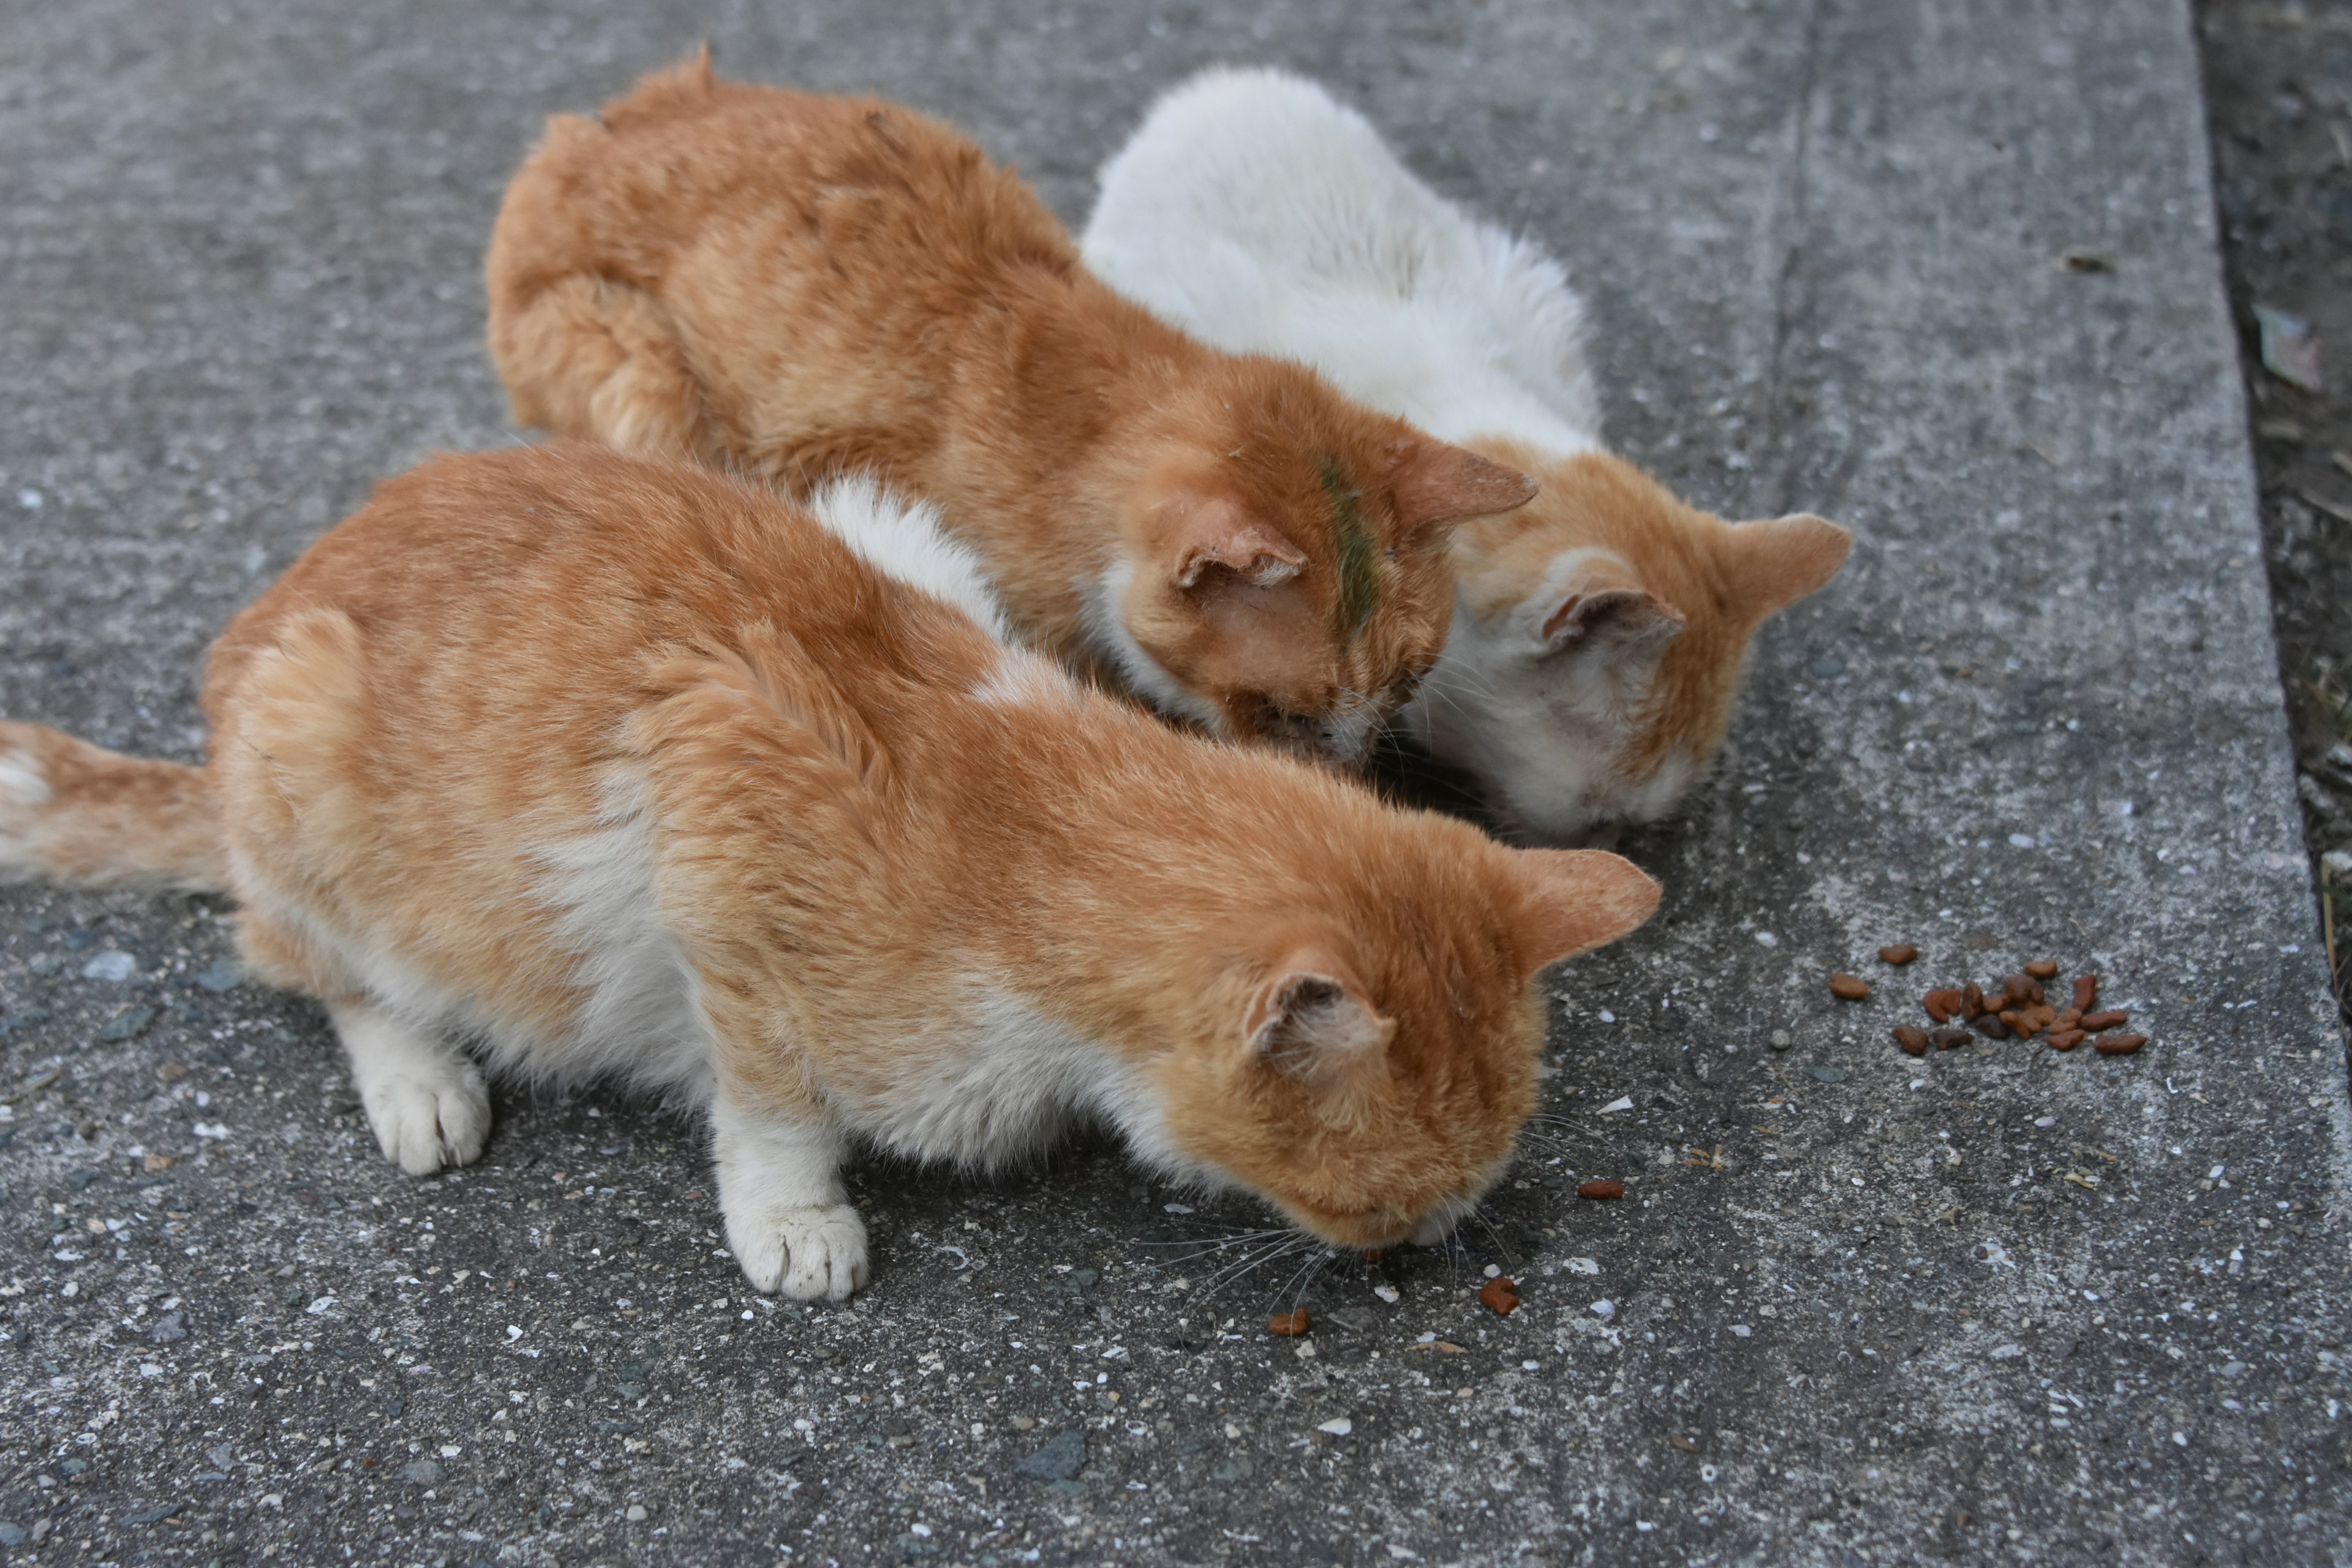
x,y
1989,1026
1898,954
2118,1044
1912,1040
1501,1295
2087,993
2042,969
2107,1020
1599,1188
1949,1039
1288,1325
2065,1039
1941,1004
1848,987
2019,989
1973,1002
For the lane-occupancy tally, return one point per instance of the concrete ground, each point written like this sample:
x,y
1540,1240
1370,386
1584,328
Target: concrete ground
x,y
1998,1304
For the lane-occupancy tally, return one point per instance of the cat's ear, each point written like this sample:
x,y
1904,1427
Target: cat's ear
x,y
1217,540
1573,900
1626,623
1781,560
1434,482
1312,1019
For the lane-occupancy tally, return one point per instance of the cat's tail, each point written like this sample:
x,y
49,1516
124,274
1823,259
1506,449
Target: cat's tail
x,y
83,817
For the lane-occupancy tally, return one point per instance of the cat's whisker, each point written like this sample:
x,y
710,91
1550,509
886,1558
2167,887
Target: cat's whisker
x,y
1315,1264
1254,1261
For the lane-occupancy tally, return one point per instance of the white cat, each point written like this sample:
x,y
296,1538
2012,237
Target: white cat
x,y
1598,632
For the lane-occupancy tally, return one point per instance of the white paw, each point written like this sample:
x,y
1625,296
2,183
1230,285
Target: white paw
x,y
426,1120
806,1253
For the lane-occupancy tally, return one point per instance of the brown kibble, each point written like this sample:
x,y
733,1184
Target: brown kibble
x,y
1599,1188
1989,1026
1288,1325
1850,987
2021,1022
2094,1022
2066,1020
2118,1044
2087,993
1501,1295
1949,1039
1912,1040
1941,1004
2019,989
1897,954
2066,1039
1972,1003
2042,969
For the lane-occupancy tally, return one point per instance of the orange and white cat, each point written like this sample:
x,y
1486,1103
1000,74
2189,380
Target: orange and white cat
x,y
796,286
1597,634
613,768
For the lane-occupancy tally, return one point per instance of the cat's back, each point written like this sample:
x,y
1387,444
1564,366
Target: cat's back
x,y
687,162
1254,208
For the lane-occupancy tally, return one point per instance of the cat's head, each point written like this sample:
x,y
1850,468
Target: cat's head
x,y
1598,640
1283,577
1367,1072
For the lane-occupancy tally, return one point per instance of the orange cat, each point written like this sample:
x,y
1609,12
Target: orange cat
x,y
621,768
798,286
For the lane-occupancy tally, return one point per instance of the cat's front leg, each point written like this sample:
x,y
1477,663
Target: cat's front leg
x,y
788,1221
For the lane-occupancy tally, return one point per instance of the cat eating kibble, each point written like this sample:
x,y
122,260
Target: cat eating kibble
x,y
610,768
1598,634
795,287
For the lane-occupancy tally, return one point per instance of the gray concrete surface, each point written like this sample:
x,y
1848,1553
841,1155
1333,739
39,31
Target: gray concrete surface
x,y
1999,1305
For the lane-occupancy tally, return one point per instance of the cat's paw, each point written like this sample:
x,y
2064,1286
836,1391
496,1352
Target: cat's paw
x,y
807,1254
429,1115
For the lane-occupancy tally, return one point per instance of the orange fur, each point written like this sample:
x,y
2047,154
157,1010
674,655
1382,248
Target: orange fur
x,y
795,286
1707,573
1628,661
536,723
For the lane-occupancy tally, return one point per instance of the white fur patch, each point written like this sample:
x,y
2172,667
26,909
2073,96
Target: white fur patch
x,y
1545,735
1027,679
424,1102
639,1018
1010,1083
907,540
21,779
780,1188
1256,211
1107,630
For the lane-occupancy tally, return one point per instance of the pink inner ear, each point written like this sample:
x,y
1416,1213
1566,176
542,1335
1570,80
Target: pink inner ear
x,y
1218,534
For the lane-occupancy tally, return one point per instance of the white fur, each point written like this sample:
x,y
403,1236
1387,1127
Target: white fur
x,y
640,1018
425,1102
907,540
788,1222
21,779
1107,628
1254,210
1010,1083
1021,679
1542,732
23,790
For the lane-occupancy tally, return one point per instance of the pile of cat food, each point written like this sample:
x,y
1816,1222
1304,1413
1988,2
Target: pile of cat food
x,y
2018,1007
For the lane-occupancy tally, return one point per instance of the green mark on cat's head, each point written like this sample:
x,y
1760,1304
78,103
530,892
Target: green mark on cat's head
x,y
1360,579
